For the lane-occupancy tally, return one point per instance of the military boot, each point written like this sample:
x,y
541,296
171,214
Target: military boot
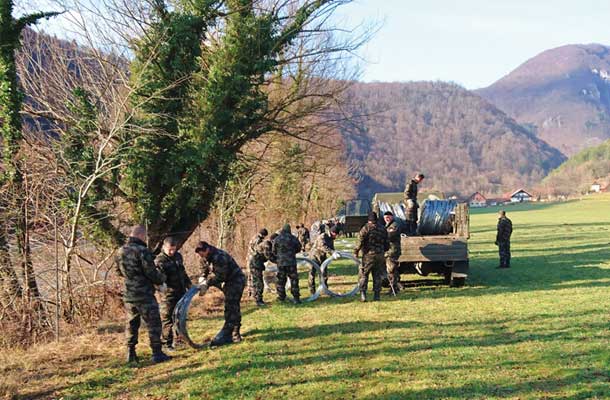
x,y
222,337
297,300
158,356
376,296
260,303
362,296
132,357
235,335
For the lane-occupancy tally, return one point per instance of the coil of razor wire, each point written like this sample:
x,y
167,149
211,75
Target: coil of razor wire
x,y
436,217
181,317
325,266
302,259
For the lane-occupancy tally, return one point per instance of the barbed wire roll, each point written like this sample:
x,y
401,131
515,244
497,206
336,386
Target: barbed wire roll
x,y
181,317
436,217
302,259
324,267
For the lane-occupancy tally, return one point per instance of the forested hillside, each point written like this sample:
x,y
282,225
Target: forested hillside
x,y
578,173
461,142
562,94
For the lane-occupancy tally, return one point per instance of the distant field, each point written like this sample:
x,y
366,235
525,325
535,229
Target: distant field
x,y
538,330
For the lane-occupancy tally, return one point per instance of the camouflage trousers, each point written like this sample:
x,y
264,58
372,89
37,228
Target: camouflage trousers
x,y
504,250
392,268
167,317
371,264
233,290
256,285
285,272
313,273
149,312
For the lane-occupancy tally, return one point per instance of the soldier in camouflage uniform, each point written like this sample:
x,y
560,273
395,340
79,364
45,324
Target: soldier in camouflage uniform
x,y
170,262
322,248
392,255
219,269
285,248
303,236
257,256
136,266
412,205
373,242
505,229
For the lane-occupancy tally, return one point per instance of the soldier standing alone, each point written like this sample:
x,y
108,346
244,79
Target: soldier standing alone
x,y
136,265
392,255
220,269
285,248
322,248
256,265
373,242
170,262
303,236
505,229
411,204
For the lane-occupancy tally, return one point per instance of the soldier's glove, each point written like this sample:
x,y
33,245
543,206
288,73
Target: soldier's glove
x,y
163,288
336,255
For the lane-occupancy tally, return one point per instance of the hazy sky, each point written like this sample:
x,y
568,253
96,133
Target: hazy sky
x,y
471,42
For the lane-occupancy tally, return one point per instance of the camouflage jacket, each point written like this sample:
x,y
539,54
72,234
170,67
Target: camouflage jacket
x,y
268,250
505,229
136,265
285,248
219,267
303,236
256,252
372,239
411,210
323,246
393,230
177,280
411,191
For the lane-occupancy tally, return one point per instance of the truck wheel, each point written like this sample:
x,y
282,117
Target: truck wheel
x,y
447,276
458,282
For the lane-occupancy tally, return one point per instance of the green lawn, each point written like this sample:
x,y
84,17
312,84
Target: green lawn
x,y
538,330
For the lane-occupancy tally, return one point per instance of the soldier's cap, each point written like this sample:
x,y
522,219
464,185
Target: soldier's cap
x,y
372,217
388,213
263,232
286,228
202,246
502,212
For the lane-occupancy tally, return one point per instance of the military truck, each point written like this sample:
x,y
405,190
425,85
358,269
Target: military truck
x,y
354,215
443,254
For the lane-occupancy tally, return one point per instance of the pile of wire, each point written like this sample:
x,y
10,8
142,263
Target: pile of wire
x,y
396,209
436,217
181,317
325,266
269,276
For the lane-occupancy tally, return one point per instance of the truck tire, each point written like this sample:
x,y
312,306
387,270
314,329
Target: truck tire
x,y
458,282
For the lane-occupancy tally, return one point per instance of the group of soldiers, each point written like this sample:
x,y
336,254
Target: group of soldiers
x,y
144,274
378,242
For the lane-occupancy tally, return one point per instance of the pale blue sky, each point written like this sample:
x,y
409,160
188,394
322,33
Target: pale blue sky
x,y
471,42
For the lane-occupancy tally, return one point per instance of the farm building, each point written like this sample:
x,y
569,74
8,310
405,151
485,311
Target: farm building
x,y
520,196
477,200
595,188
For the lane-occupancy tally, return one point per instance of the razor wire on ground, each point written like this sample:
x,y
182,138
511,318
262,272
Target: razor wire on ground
x,y
182,307
437,217
181,317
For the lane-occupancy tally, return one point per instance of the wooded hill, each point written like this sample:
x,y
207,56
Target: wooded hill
x,y
576,175
562,95
461,142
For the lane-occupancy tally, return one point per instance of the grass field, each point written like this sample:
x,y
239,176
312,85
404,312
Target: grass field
x,y
536,331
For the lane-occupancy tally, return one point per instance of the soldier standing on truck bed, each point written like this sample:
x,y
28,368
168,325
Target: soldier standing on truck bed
x,y
392,255
373,242
505,229
412,205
